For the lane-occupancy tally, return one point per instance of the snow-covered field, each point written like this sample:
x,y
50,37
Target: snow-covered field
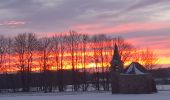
x,y
161,95
163,87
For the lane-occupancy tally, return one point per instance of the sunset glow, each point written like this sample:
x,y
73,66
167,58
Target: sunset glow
x,y
37,64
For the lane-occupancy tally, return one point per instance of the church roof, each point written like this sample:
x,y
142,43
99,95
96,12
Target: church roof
x,y
135,68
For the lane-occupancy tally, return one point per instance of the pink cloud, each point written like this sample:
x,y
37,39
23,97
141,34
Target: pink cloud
x,y
151,41
15,22
129,27
159,45
12,23
122,28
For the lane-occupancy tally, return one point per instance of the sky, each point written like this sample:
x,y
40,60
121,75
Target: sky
x,y
145,23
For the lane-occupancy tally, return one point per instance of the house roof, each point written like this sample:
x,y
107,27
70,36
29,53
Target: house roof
x,y
135,68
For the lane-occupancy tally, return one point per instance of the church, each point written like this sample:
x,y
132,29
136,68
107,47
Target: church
x,y
134,79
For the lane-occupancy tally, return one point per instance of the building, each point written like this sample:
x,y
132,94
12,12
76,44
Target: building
x,y
135,79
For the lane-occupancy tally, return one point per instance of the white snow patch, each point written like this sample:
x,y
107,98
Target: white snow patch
x,y
162,95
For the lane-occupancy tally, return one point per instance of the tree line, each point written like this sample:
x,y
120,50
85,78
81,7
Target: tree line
x,y
75,59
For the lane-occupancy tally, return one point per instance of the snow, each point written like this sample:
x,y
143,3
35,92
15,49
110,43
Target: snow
x,y
161,95
163,87
136,70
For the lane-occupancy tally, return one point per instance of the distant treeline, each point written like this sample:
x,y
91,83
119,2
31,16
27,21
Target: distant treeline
x,y
51,81
161,75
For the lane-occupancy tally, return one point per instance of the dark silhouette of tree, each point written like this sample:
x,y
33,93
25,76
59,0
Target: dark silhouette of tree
x,y
9,51
3,51
20,50
45,48
96,55
56,52
73,40
85,39
31,47
62,50
149,59
25,45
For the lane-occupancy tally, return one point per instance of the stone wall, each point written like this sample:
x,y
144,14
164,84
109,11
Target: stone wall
x,y
135,84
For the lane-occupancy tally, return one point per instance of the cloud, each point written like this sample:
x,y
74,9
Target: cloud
x,y
139,4
121,28
61,15
94,15
12,23
152,41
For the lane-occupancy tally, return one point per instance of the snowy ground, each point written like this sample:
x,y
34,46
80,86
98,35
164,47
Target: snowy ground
x,y
163,87
161,95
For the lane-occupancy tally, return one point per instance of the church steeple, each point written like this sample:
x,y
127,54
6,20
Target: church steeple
x,y
116,63
116,53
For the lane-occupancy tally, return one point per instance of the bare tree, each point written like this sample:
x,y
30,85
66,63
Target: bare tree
x,y
56,53
59,49
44,49
62,50
96,55
85,39
149,59
73,43
55,50
20,50
3,51
9,51
101,46
31,47
25,45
